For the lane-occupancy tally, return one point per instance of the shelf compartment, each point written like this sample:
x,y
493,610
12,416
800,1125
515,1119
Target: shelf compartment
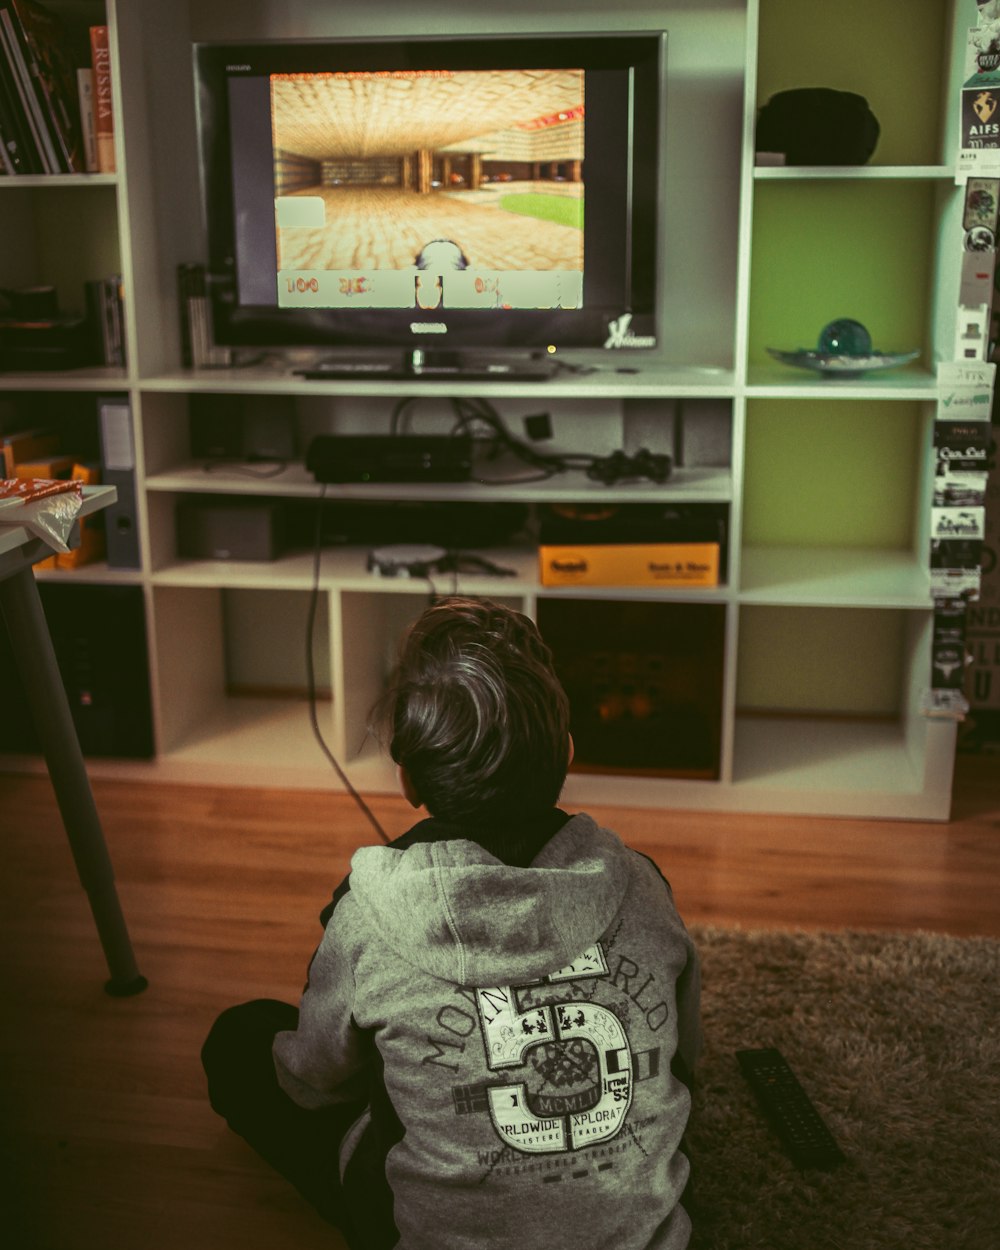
x,y
888,770
346,568
695,432
813,753
500,533
256,742
828,713
644,680
822,473
837,767
38,247
792,36
240,696
834,576
839,249
829,661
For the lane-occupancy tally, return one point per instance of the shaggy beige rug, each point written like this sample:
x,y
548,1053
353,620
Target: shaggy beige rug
x,y
896,1038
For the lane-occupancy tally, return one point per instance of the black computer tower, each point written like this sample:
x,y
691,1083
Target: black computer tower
x,y
99,637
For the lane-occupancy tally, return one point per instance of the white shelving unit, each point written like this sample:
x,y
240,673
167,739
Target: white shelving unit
x,y
824,618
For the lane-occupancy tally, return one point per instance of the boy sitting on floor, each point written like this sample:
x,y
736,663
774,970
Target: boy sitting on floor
x,y
495,1042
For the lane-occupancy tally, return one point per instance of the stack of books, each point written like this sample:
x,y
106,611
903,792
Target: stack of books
x,y
105,317
55,94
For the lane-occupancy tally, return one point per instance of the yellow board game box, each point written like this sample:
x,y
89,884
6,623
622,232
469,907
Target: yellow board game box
x,y
630,564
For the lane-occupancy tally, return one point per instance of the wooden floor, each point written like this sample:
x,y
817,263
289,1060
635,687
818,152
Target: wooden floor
x,y
105,1136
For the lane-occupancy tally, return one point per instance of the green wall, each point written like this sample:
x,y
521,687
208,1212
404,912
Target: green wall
x,y
823,250
830,473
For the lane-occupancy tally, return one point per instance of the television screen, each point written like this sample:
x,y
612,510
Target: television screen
x,y
433,193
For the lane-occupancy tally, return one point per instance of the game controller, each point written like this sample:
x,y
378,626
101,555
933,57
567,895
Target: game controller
x,y
620,467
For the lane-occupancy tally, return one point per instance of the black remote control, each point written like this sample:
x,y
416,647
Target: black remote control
x,y
791,1114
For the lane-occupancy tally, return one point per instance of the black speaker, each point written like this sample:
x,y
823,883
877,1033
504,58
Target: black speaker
x,y
216,427
99,637
242,427
230,529
818,126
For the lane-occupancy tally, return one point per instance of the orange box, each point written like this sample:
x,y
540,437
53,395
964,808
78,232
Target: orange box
x,y
630,564
54,467
92,546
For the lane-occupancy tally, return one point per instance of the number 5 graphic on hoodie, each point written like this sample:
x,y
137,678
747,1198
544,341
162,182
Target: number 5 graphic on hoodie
x,y
510,1034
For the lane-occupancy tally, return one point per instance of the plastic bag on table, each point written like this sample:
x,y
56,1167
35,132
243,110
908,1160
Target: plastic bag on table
x,y
45,507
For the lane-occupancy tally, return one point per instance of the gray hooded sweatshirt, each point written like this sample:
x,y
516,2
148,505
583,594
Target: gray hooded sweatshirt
x,y
526,1021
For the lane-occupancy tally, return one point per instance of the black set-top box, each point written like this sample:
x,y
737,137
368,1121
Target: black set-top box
x,y
390,458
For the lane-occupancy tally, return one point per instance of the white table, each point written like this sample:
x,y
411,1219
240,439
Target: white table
x,y
21,609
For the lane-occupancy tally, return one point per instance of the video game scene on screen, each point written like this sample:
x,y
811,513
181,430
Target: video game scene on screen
x,y
429,188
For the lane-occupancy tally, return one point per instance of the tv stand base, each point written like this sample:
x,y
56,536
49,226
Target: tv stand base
x,y
421,366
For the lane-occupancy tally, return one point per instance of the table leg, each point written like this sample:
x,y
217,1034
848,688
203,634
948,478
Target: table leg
x,y
36,663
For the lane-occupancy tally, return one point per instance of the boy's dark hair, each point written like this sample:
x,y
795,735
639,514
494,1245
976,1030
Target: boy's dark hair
x,y
476,714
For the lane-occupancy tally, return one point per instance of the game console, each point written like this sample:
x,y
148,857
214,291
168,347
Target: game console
x,y
390,458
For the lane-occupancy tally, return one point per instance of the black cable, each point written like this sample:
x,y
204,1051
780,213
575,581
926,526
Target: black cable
x,y
311,672
548,465
473,413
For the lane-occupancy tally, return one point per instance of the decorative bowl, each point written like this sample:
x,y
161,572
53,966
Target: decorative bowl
x,y
833,365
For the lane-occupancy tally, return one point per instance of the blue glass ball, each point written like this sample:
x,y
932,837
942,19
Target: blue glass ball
x,y
845,337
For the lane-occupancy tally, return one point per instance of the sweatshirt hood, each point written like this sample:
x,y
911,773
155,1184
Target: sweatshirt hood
x,y
458,913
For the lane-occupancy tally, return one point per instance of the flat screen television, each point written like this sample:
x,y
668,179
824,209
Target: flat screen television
x,y
433,196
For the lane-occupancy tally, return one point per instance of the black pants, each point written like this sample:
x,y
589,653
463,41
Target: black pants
x,y
302,1145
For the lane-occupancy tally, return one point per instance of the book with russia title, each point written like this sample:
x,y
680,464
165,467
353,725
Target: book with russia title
x,y
104,123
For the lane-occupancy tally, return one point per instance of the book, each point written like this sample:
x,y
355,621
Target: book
x,y
29,90
17,137
50,59
105,319
114,305
104,122
9,154
198,347
85,94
